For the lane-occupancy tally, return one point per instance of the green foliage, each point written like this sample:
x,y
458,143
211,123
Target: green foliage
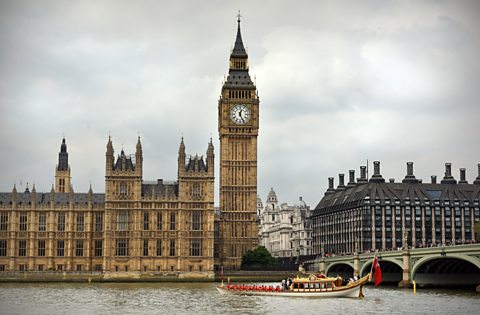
x,y
476,229
260,256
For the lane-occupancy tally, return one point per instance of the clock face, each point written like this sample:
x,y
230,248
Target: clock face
x,y
240,114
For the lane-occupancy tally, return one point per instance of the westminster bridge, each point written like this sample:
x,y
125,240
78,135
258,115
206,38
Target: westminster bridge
x,y
442,265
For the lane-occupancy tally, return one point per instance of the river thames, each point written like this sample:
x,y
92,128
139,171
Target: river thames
x,y
202,298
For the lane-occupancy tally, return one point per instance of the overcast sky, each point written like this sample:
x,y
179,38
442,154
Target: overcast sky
x,y
339,82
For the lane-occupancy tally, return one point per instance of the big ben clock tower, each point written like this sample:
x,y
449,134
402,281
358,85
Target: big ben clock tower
x,y
238,110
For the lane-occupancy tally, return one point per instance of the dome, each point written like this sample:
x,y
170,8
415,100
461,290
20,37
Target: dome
x,y
272,196
300,203
259,202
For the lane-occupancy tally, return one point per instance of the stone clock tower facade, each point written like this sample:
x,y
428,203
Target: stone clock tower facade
x,y
238,123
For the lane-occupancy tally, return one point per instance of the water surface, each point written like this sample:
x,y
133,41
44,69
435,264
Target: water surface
x,y
202,298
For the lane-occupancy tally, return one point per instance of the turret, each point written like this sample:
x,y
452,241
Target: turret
x,y
33,196
90,195
14,195
139,158
52,197
181,158
62,171
210,158
109,158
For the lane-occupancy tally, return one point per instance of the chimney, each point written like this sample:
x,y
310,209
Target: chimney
x,y
477,180
363,175
463,179
376,177
448,179
434,179
330,189
341,184
448,169
351,182
410,178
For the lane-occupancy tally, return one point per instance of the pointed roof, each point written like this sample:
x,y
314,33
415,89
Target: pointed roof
x,y
63,157
238,49
63,147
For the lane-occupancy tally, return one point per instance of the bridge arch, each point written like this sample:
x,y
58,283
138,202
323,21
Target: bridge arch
x,y
451,270
344,269
473,260
367,265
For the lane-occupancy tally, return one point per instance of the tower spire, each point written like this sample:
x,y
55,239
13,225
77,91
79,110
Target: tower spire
x,y
62,171
238,49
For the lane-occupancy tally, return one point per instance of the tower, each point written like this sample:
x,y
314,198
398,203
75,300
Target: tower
x,y
62,171
238,123
123,187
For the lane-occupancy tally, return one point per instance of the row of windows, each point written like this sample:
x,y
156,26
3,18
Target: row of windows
x,y
121,248
123,221
195,224
97,267
42,222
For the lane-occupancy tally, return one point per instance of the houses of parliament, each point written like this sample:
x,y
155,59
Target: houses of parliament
x,y
137,226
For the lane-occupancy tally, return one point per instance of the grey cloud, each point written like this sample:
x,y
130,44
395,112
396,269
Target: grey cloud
x,y
339,82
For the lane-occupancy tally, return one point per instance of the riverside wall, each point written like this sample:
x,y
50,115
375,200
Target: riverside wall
x,y
99,277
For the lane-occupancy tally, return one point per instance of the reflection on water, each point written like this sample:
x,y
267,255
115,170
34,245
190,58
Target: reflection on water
x,y
202,298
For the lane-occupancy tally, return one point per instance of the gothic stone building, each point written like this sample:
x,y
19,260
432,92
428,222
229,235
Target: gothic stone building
x,y
136,226
145,226
284,230
378,215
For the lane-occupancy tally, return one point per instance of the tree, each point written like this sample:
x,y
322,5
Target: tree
x,y
476,229
260,256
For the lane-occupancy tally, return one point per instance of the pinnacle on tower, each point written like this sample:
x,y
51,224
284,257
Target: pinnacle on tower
x,y
181,149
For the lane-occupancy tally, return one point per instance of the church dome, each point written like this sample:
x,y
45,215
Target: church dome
x,y
272,196
300,203
259,202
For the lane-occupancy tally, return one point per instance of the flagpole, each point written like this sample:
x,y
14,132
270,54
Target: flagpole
x,y
222,275
371,268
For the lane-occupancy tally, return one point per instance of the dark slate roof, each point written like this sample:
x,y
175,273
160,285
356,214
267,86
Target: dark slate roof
x,y
124,163
160,189
196,164
239,79
63,157
355,196
44,198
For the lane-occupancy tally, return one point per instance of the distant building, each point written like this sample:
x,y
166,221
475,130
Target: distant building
x,y
377,215
284,230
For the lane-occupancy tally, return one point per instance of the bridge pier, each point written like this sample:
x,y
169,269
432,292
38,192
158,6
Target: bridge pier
x,y
322,266
406,280
356,265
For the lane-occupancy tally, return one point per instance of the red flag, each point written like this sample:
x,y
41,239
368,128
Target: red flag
x,y
378,272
